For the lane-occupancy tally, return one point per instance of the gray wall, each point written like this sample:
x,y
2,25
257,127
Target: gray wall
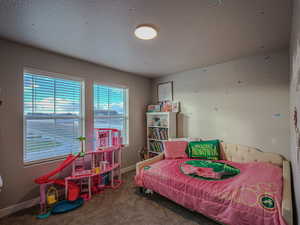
x,y
18,180
295,99
243,101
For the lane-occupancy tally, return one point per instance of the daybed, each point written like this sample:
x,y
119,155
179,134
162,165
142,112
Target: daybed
x,y
171,184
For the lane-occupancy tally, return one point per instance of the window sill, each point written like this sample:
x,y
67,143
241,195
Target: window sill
x,y
52,160
44,161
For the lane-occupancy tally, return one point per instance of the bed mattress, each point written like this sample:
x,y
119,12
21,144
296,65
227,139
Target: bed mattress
x,y
235,194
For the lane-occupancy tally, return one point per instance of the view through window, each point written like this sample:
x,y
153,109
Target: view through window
x,y
110,109
52,116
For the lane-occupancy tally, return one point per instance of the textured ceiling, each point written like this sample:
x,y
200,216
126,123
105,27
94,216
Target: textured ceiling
x,y
192,33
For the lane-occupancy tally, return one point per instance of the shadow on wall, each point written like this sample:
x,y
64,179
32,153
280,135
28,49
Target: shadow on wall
x,y
182,125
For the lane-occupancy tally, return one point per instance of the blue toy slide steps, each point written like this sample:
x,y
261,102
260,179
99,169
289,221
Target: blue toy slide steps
x,y
66,206
62,207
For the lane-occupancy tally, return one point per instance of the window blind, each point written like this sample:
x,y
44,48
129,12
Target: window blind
x,y
110,104
52,117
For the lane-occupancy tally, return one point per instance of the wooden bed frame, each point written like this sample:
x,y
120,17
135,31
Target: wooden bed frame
x,y
240,153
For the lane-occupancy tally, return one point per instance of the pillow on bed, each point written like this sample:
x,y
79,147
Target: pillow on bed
x,y
204,150
175,149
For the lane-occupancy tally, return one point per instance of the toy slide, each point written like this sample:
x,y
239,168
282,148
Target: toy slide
x,y
45,179
73,189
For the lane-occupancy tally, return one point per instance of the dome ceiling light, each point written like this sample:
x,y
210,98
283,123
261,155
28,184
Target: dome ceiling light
x,y
145,32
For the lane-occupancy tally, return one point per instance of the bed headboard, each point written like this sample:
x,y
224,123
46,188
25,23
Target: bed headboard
x,y
241,153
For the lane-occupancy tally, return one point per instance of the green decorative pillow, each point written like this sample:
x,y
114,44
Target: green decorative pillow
x,y
204,150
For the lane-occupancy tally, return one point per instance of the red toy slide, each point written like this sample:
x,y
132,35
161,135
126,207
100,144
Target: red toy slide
x,y
73,189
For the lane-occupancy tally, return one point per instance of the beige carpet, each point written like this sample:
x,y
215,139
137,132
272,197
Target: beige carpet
x,y
115,207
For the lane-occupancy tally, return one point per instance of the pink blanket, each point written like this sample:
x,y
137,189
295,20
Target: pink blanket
x,y
252,197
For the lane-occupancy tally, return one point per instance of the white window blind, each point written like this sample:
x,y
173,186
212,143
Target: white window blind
x,y
110,109
52,117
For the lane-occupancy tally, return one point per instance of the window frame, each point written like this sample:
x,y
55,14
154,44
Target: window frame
x,y
126,142
81,117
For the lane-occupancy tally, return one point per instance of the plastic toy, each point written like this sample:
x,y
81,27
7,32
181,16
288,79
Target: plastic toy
x,y
82,139
62,207
66,206
92,172
52,195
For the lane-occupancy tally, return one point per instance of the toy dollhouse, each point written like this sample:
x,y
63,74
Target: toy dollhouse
x,y
92,172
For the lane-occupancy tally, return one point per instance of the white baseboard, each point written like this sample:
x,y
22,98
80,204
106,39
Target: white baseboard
x,y
19,206
29,203
127,169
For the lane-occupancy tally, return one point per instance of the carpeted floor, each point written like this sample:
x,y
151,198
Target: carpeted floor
x,y
115,207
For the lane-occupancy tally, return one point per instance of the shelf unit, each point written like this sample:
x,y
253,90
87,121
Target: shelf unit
x,y
160,127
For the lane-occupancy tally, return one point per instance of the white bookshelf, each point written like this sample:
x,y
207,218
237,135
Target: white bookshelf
x,y
161,126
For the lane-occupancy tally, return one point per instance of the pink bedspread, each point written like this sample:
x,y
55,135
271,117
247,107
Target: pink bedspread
x,y
252,197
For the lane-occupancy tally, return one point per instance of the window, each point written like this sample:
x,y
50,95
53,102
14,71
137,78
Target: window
x,y
110,109
52,116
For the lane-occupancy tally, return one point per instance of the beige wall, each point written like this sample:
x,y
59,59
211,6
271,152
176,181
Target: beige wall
x,y
243,101
295,99
18,180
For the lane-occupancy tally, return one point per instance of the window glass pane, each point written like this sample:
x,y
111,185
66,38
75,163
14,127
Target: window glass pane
x,y
39,143
102,123
101,100
110,108
119,123
52,117
116,104
67,96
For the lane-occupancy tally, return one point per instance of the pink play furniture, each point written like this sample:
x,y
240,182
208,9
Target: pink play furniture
x,y
91,171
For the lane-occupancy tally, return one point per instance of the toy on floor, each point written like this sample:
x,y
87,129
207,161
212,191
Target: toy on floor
x,y
52,195
92,172
66,206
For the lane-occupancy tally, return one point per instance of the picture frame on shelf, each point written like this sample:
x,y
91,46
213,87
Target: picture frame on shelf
x,y
167,106
153,108
165,91
175,106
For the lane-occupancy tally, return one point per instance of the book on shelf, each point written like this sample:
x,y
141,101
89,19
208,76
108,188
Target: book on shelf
x,y
158,122
158,133
156,146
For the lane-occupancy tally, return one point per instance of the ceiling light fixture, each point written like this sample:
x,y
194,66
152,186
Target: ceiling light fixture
x,y
145,32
